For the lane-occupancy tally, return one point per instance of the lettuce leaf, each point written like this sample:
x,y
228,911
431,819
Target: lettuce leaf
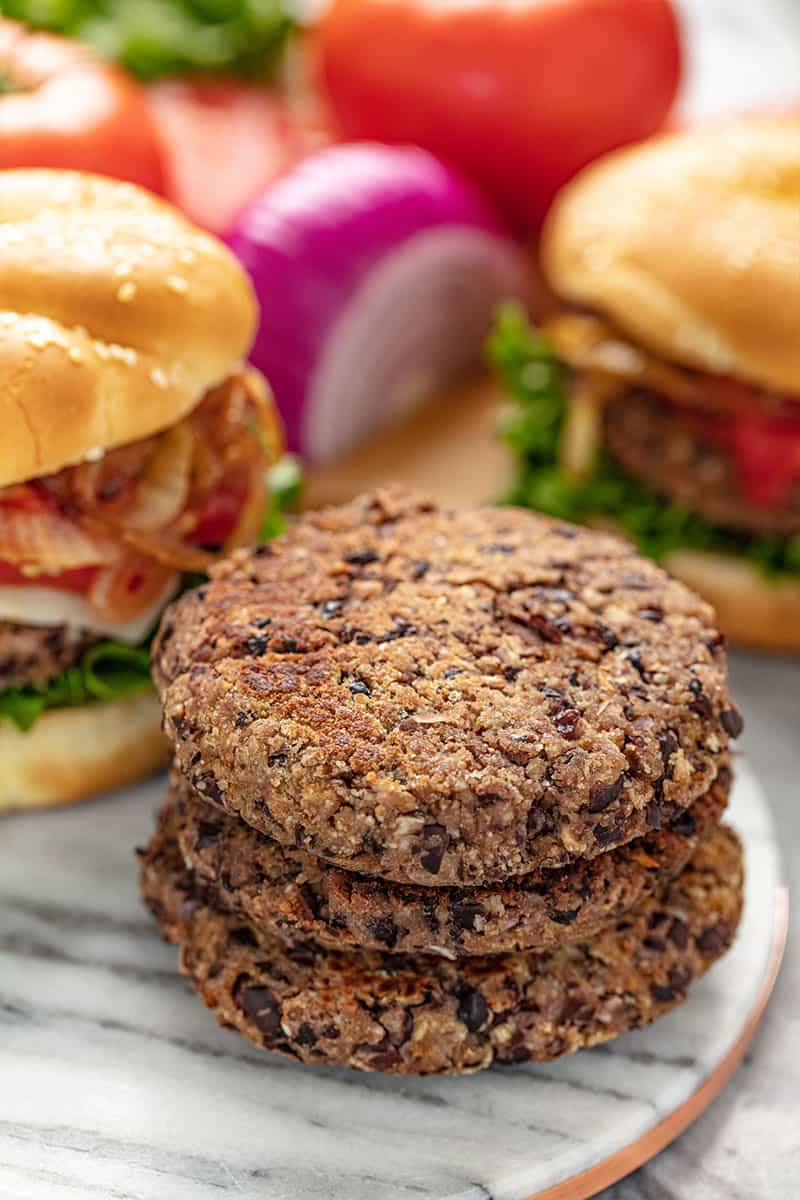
x,y
285,488
112,670
535,381
107,671
154,38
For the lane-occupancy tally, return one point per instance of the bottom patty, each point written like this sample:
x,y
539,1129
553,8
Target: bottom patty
x,y
651,442
296,895
32,654
428,1015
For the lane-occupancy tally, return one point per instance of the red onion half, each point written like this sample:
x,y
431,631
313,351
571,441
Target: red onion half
x,y
378,270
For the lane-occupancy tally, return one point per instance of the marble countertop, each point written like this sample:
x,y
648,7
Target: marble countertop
x,y
118,1084
747,1145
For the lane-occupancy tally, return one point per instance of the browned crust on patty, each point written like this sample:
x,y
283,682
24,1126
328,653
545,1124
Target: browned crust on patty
x,y
664,453
427,1015
445,697
291,894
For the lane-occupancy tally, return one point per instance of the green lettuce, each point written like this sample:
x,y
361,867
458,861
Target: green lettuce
x,y
153,38
285,488
112,670
107,671
534,379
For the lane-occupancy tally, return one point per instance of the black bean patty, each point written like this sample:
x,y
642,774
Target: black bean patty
x,y
32,654
666,455
445,697
426,1015
292,894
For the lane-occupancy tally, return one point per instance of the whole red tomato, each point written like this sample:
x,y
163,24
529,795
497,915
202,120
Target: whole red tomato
x,y
62,107
520,96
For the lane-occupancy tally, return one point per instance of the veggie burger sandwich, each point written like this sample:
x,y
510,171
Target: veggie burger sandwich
x,y
133,451
664,398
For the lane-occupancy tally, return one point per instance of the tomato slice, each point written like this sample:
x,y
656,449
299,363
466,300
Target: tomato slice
x,y
28,497
217,519
79,579
766,451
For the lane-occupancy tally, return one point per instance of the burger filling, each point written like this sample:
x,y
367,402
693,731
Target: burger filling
x,y
676,458
89,556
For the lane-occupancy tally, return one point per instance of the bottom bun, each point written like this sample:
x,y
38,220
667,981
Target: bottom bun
x,y
751,609
73,753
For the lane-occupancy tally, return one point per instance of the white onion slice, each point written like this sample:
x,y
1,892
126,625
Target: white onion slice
x,y
50,606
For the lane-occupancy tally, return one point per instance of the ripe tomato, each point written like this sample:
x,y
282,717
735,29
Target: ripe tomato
x,y
766,451
218,518
62,107
79,579
521,96
224,142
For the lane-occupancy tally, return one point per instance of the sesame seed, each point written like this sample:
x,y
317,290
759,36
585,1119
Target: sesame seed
x,y
177,284
159,377
75,354
126,291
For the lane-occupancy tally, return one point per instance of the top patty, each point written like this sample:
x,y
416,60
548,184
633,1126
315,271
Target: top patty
x,y
652,443
444,698
32,654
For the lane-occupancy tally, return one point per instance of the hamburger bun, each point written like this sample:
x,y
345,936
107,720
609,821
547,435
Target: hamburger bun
x,y
72,753
690,245
116,316
753,611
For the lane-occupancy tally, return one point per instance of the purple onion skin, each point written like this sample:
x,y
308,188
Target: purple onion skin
x,y
312,238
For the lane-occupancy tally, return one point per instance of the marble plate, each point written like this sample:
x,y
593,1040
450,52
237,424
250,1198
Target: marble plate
x,y
116,1083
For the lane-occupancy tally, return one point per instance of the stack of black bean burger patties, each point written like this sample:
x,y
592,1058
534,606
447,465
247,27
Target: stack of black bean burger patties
x,y
447,789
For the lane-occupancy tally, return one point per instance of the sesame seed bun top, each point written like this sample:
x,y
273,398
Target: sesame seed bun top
x,y
690,244
116,315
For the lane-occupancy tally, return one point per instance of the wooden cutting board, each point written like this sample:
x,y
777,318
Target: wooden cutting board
x,y
449,449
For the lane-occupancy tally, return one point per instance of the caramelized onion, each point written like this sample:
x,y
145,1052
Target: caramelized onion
x,y
163,489
167,549
138,506
589,344
251,514
120,592
49,543
582,435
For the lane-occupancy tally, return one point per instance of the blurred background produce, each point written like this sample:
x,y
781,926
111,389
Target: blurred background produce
x,y
520,96
378,270
223,142
60,106
154,38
